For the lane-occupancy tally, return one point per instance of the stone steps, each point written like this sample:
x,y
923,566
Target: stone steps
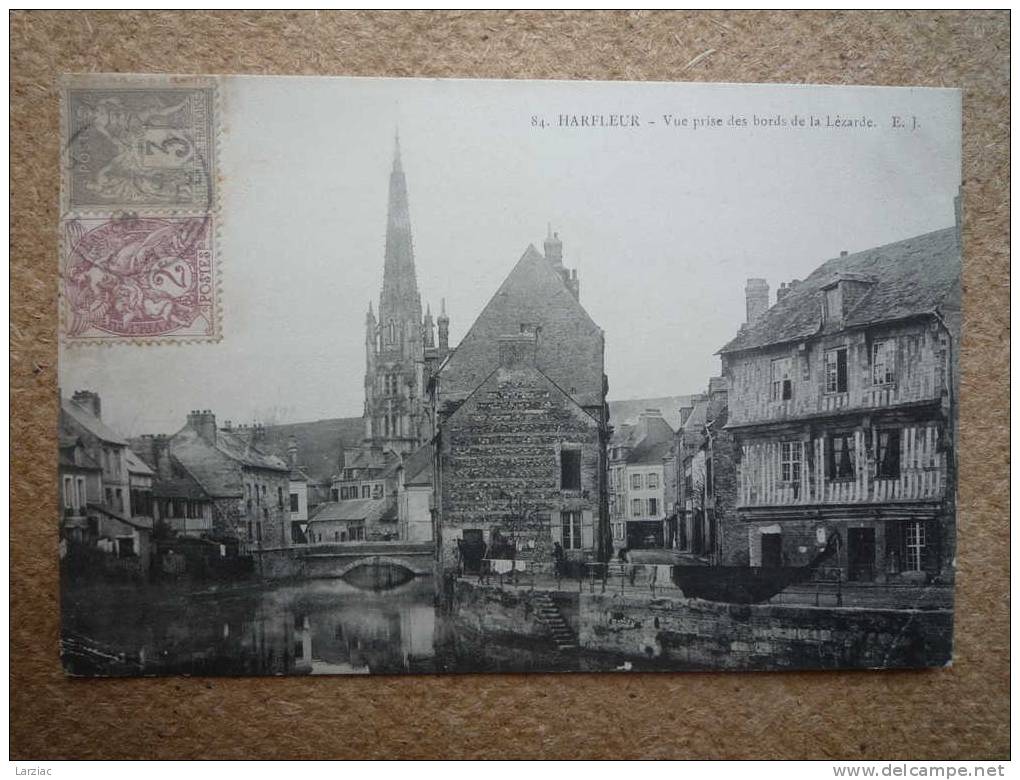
x,y
549,615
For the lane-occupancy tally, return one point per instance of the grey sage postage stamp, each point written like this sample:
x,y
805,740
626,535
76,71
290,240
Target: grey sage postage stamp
x,y
139,209
517,376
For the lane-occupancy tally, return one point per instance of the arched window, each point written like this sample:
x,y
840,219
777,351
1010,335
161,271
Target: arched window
x,y
391,332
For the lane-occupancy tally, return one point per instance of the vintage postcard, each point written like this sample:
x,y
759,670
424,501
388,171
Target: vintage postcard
x,y
375,376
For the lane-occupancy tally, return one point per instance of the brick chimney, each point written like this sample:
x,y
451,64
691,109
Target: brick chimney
x,y
517,351
204,422
757,295
89,401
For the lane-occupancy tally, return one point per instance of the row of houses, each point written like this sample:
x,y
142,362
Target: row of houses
x,y
834,414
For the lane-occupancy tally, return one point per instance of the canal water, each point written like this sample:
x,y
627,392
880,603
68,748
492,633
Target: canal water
x,y
314,627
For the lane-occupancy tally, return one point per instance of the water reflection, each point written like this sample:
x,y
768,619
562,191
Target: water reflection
x,y
319,627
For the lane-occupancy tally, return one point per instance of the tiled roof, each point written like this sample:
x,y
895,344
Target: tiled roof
x,y
319,443
915,276
418,466
366,509
90,422
570,347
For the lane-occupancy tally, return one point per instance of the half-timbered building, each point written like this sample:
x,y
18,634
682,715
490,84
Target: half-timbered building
x,y
842,402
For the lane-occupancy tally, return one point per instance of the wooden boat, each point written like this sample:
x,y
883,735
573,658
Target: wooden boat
x,y
746,584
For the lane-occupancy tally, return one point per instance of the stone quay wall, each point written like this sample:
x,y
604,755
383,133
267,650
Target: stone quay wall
x,y
700,635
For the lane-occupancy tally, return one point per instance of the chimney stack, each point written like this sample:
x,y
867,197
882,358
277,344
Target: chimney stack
x,y
554,249
757,295
204,422
292,450
89,401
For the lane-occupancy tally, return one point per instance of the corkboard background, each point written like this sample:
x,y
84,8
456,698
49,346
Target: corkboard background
x,y
962,712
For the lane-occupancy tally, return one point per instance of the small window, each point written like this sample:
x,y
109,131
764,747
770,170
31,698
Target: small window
x,y
835,370
366,491
635,481
841,456
791,457
126,547
636,507
782,379
883,362
68,495
915,545
653,481
570,469
279,497
571,528
335,492
653,507
888,466
294,504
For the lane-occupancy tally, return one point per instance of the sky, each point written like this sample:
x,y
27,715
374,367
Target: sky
x,y
664,223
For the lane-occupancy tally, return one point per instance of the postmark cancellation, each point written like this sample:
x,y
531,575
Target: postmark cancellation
x,y
140,144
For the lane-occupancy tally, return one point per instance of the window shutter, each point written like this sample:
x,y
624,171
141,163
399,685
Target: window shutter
x,y
555,527
587,530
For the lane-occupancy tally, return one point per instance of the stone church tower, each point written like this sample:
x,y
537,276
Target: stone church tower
x,y
400,344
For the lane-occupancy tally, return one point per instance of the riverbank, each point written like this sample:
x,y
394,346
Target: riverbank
x,y
677,633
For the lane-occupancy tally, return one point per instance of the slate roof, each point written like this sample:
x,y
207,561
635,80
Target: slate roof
x,y
136,465
366,509
319,442
418,466
91,423
697,418
652,438
216,467
570,347
915,276
628,410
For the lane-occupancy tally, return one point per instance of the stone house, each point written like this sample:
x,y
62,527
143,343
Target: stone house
x,y
842,404
248,487
637,481
522,425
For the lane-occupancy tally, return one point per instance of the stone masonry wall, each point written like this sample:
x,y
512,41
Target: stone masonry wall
x,y
500,465
699,635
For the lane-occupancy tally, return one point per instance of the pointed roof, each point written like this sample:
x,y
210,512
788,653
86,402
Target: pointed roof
x,y
399,281
571,347
91,423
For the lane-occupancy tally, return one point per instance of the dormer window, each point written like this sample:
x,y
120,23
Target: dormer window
x,y
833,305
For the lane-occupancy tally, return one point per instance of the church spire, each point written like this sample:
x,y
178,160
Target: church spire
x,y
399,282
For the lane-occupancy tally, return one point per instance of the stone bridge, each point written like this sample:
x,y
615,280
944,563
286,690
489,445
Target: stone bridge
x,y
331,560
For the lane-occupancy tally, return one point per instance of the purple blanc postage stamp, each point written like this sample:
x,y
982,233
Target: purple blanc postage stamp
x,y
140,278
139,144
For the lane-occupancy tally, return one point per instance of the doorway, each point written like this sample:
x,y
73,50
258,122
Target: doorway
x,y
860,553
472,548
771,550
